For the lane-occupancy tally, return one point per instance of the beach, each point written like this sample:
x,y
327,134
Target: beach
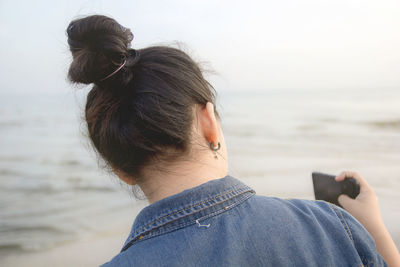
x,y
60,207
93,250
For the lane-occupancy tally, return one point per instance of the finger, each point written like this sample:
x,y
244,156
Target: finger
x,y
364,186
340,177
346,174
345,201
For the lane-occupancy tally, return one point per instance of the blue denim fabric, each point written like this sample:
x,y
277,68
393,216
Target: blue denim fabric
x,y
223,223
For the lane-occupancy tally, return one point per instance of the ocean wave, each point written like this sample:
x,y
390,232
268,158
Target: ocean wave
x,y
70,162
13,158
94,188
11,247
8,228
7,124
24,238
9,172
386,124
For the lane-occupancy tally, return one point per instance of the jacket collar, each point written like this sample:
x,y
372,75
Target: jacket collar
x,y
154,219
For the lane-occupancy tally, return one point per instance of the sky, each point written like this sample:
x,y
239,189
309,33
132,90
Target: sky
x,y
250,45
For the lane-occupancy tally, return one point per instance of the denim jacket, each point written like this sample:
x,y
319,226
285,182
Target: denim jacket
x,y
223,223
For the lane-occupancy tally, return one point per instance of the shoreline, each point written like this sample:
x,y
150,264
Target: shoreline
x,y
90,250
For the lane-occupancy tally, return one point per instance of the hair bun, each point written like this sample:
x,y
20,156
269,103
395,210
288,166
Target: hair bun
x,y
99,45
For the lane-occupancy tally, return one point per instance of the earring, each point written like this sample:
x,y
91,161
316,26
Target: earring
x,y
215,149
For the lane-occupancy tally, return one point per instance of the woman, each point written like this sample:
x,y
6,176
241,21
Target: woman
x,y
151,115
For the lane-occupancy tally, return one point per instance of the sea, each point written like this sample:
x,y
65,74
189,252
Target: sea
x,y
54,189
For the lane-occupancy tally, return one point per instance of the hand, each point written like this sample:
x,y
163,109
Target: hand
x,y
364,207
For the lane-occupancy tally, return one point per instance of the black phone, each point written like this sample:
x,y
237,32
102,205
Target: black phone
x,y
326,188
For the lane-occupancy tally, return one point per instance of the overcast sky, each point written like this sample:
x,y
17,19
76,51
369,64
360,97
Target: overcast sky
x,y
252,45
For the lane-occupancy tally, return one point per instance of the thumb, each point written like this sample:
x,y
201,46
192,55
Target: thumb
x,y
345,201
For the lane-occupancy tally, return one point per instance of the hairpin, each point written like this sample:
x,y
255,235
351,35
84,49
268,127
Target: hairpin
x,y
115,71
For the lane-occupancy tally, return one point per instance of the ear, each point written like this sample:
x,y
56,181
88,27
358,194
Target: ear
x,y
209,123
128,179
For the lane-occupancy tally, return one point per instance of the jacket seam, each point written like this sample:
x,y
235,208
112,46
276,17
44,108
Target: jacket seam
x,y
226,208
184,224
362,257
189,207
343,220
197,211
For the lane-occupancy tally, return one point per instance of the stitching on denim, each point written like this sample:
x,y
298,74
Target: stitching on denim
x,y
202,225
192,206
368,262
179,226
221,210
184,224
363,258
239,192
342,219
226,208
184,209
142,228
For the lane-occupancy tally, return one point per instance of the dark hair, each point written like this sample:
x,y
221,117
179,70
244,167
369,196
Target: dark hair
x,y
144,111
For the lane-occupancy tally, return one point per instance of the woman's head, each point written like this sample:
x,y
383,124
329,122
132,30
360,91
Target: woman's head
x,y
141,108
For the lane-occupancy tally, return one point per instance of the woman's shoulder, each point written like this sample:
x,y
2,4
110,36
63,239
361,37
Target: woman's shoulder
x,y
305,205
316,214
323,219
307,213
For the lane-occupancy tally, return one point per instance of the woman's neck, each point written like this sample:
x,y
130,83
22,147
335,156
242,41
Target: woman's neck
x,y
176,177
